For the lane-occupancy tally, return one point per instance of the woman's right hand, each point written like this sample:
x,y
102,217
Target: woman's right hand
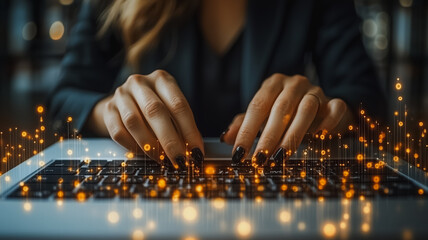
x,y
147,109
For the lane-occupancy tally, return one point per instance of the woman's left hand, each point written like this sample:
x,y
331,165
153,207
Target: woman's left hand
x,y
288,107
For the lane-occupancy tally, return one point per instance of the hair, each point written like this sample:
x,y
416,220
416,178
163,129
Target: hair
x,y
141,22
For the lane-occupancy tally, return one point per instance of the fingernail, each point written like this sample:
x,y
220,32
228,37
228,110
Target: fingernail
x,y
222,135
279,156
260,159
181,162
238,154
197,156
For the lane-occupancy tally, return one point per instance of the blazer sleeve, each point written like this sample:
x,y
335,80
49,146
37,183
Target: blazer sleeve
x,y
345,70
88,71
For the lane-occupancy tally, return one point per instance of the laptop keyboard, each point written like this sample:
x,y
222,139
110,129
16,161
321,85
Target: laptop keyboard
x,y
102,179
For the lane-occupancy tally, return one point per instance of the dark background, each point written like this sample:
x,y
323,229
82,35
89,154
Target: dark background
x,y
32,43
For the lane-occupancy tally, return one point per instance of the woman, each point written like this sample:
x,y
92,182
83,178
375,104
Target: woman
x,y
225,64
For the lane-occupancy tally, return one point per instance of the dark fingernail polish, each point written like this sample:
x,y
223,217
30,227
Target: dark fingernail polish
x,y
197,156
238,154
279,156
260,159
181,162
222,135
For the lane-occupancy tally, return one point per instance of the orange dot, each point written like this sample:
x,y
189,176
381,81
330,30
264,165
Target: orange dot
x,y
350,127
24,134
360,157
69,119
421,124
376,179
400,123
420,191
60,194
81,196
416,155
210,170
362,112
147,147
40,109
398,86
162,183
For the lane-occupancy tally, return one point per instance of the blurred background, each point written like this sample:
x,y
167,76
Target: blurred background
x,y
33,36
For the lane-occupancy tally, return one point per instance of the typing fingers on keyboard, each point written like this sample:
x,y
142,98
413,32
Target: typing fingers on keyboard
x,y
159,119
282,112
305,115
136,126
256,114
174,100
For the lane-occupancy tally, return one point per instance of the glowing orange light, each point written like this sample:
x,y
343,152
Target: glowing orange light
x,y
361,139
372,126
396,113
398,86
400,123
329,230
323,181
130,155
376,179
416,156
323,152
322,136
60,194
360,157
400,98
421,124
284,187
162,183
420,191
302,174
380,148
199,188
69,119
81,197
40,109
376,186
210,170
162,157
369,165
362,112
345,173
24,134
25,188
350,127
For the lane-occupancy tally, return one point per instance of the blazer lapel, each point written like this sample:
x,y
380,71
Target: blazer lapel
x,y
264,22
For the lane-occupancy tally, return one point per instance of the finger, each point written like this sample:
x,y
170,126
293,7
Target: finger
x,y
305,115
169,92
117,130
134,123
159,119
256,114
335,110
282,111
230,134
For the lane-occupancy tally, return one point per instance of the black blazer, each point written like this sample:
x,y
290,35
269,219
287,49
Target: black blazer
x,y
280,36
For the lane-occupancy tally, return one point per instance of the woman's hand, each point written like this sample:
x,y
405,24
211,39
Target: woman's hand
x,y
147,109
287,107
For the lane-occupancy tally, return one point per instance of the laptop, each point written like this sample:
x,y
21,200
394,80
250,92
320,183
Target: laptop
x,y
94,189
